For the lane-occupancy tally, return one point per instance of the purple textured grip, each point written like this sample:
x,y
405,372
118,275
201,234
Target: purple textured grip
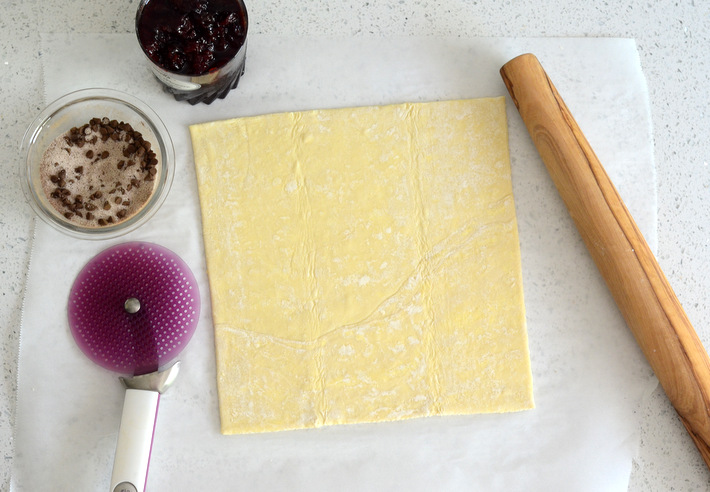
x,y
141,342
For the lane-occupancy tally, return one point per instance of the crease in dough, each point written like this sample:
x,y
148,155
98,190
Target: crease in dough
x,y
309,245
367,267
417,143
430,263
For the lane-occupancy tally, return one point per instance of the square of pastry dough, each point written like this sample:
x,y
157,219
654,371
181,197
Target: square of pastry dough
x,y
363,264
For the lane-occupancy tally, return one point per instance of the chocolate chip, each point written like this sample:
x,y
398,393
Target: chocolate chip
x,y
89,154
104,154
107,206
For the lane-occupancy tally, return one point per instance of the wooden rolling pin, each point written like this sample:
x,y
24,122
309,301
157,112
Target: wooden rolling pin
x,y
623,257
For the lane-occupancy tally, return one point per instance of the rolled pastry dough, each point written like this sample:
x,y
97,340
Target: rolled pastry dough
x,y
363,265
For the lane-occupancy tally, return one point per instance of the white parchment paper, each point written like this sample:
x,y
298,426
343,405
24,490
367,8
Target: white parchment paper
x,y
589,375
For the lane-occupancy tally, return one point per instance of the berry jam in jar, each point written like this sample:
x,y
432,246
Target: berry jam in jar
x,y
197,48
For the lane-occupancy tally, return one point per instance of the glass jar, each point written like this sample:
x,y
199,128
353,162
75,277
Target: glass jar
x,y
195,48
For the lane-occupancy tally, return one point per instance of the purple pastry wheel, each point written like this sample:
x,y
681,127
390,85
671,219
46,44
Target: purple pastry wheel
x,y
134,307
131,310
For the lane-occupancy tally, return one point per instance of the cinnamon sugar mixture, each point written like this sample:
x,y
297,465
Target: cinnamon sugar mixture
x,y
99,174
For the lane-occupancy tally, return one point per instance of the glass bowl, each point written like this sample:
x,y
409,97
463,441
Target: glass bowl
x,y
74,110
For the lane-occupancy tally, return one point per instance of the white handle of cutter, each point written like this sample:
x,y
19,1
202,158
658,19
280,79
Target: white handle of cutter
x,y
135,441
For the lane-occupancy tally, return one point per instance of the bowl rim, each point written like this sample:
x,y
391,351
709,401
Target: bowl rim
x,y
144,112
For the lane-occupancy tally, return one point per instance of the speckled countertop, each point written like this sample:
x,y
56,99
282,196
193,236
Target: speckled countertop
x,y
672,37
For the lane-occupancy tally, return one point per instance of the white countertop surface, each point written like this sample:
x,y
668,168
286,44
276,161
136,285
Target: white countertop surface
x,y
672,39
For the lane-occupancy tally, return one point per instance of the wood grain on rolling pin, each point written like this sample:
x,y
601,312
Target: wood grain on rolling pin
x,y
623,257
